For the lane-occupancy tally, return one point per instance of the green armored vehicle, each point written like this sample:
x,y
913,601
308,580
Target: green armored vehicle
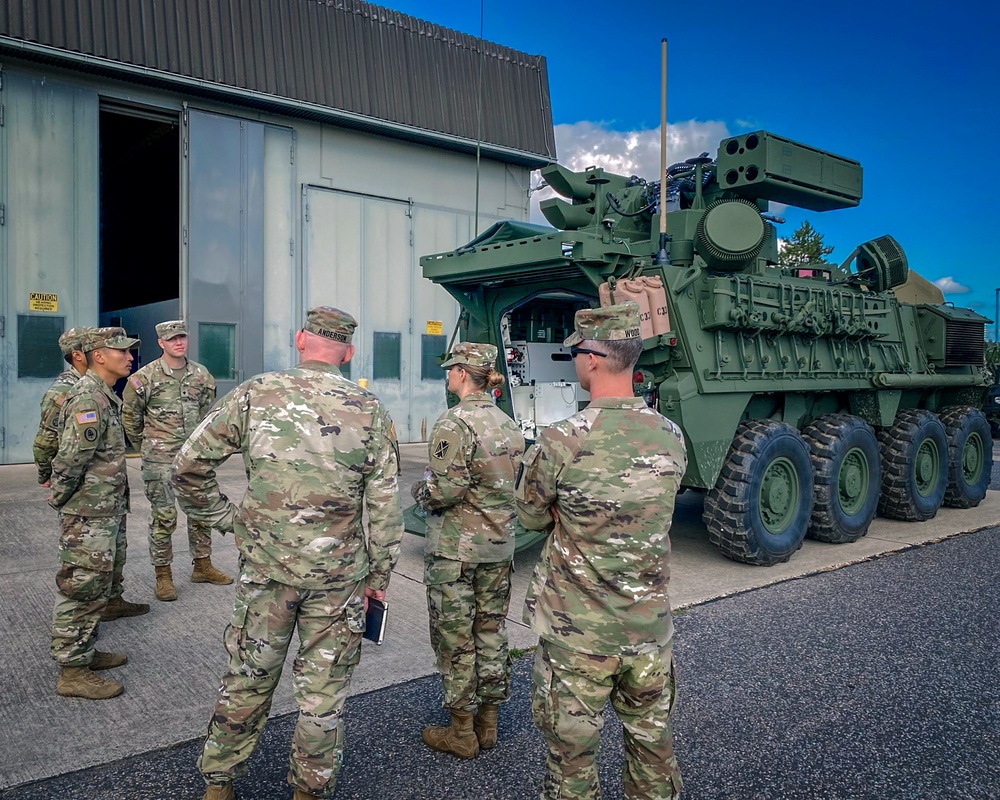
x,y
811,398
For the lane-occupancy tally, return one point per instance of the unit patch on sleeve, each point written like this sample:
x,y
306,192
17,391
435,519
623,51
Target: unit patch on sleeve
x,y
441,450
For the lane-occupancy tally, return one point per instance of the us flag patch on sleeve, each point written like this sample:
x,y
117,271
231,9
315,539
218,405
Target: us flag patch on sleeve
x,y
135,382
86,416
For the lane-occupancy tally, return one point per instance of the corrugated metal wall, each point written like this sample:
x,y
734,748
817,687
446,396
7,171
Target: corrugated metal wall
x,y
341,54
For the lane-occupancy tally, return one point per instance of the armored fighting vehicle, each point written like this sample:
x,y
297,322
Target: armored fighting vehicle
x,y
811,397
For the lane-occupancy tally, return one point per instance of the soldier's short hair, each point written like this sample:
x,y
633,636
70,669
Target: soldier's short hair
x,y
621,353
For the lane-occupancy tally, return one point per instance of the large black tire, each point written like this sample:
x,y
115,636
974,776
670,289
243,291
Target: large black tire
x,y
970,456
848,475
914,451
759,508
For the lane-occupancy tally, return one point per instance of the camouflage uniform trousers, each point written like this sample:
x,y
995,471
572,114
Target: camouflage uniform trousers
x,y
92,559
570,690
468,606
163,518
330,624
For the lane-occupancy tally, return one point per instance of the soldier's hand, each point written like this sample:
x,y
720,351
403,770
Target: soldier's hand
x,y
378,594
421,494
227,523
47,484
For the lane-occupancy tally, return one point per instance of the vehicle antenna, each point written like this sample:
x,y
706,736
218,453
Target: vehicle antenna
x,y
661,256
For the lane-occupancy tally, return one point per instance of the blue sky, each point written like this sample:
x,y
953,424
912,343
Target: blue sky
x,y
912,91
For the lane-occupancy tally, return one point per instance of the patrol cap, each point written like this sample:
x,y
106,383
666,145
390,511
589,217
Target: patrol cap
x,y
168,330
472,354
113,338
73,339
331,323
620,321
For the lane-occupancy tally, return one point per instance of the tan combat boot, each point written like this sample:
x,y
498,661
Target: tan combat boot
x,y
204,572
120,607
223,792
104,660
485,725
458,738
165,584
81,682
302,794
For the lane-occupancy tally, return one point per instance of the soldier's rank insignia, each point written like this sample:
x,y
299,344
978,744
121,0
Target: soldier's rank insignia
x,y
441,450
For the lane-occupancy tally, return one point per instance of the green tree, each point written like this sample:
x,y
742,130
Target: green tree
x,y
805,247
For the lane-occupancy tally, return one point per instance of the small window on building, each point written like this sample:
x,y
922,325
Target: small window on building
x,y
432,347
217,349
38,354
386,365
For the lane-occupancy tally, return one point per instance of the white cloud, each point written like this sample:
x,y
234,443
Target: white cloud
x,y
949,286
591,144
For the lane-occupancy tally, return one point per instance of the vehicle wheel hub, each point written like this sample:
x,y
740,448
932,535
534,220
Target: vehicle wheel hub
x,y
778,495
926,467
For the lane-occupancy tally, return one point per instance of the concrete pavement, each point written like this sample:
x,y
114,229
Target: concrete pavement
x,y
175,651
872,682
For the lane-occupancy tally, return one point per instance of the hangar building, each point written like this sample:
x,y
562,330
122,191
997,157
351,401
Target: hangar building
x,y
238,161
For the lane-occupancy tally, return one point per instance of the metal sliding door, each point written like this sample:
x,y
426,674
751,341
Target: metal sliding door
x,y
224,299
358,256
361,254
434,312
48,241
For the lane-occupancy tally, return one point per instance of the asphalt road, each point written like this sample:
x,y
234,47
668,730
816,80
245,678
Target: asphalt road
x,y
878,680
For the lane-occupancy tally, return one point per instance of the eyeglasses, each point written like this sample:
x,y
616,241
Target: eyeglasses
x,y
575,351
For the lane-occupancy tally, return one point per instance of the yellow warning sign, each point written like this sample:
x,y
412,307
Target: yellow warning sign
x,y
435,327
43,301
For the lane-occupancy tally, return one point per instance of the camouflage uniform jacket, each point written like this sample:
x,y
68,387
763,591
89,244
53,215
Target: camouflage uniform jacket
x,y
611,472
474,449
162,407
47,439
88,471
317,450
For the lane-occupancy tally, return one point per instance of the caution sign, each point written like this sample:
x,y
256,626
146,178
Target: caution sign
x,y
435,327
43,301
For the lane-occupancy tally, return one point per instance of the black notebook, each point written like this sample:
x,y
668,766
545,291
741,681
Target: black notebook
x,y
375,620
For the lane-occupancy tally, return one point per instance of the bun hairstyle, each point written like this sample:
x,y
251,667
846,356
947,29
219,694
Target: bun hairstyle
x,y
484,377
494,379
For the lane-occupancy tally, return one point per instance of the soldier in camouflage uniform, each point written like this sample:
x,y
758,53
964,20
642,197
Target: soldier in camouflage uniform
x,y
319,451
47,438
90,491
162,405
468,492
604,483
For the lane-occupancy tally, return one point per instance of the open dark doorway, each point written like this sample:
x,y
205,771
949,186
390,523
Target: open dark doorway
x,y
140,208
139,220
